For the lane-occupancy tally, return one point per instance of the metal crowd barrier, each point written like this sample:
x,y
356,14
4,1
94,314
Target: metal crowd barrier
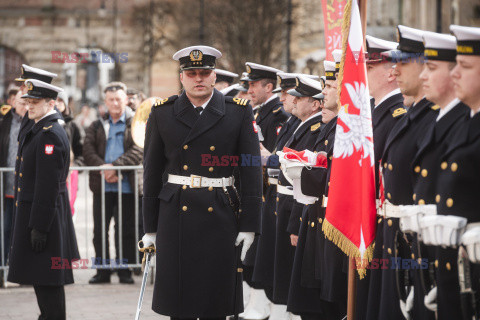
x,y
83,173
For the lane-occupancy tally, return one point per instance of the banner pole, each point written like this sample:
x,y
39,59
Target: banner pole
x,y
352,289
352,277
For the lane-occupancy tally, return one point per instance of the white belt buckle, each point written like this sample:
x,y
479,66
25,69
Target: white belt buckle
x,y
196,181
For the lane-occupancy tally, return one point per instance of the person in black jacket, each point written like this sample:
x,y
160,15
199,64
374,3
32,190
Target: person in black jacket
x,y
187,212
387,110
10,121
441,186
43,238
400,149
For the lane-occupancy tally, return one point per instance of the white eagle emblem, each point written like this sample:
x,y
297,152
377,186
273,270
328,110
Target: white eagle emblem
x,y
354,131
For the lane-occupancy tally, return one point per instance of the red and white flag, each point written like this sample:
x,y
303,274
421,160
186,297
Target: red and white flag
x,y
351,213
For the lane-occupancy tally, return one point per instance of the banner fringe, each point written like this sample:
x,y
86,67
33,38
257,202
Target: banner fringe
x,y
347,246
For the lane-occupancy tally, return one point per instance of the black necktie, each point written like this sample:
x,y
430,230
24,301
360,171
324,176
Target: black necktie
x,y
199,109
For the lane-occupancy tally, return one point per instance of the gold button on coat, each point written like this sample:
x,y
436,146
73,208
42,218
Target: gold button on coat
x,y
390,167
184,187
389,251
210,169
210,188
184,208
185,147
212,148
379,220
210,209
18,189
454,167
21,175
444,165
421,202
449,267
449,202
417,169
414,196
436,263
319,220
385,165
390,222
389,195
424,173
312,224
185,167
437,198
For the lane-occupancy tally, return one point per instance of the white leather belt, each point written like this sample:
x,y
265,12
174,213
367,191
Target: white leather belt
x,y
391,210
273,181
194,181
324,202
284,190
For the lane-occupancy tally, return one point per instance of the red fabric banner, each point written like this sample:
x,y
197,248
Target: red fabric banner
x,y
351,212
332,20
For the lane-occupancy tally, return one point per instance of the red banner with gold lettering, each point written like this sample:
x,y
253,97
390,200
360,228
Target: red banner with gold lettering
x,y
332,19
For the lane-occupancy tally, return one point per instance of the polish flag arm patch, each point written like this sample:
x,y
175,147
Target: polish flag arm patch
x,y
49,149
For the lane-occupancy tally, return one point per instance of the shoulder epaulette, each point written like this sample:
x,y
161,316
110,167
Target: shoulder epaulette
x,y
399,111
435,107
47,128
161,102
239,101
276,110
315,126
4,109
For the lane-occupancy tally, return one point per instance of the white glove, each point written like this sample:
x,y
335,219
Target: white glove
x,y
149,239
471,240
247,238
411,215
294,172
430,300
407,306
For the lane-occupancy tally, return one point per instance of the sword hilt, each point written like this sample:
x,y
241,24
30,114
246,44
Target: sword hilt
x,y
141,248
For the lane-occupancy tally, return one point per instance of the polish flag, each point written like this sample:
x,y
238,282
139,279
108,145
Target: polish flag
x,y
351,211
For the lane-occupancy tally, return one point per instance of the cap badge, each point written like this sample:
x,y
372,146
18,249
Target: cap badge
x,y
29,86
196,56
398,35
249,70
297,83
279,81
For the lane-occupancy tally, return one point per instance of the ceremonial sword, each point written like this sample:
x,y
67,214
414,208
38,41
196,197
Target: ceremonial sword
x,y
148,253
467,295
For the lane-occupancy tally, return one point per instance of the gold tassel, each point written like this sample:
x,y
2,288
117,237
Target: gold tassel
x,y
345,31
347,246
